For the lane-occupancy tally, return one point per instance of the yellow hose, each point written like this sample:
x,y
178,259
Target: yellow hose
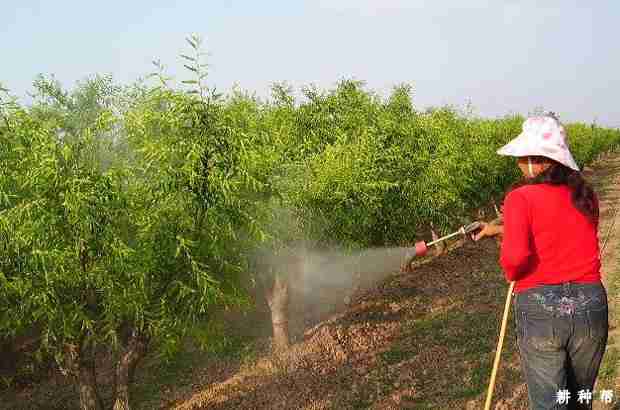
x,y
500,344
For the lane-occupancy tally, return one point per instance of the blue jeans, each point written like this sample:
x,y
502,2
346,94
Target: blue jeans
x,y
561,333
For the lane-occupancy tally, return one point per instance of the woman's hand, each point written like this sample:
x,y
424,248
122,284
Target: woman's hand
x,y
488,230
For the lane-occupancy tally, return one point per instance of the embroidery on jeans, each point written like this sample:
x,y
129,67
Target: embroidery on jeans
x,y
563,305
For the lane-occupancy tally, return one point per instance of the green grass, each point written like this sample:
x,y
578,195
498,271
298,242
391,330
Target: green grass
x,y
607,372
177,372
470,330
160,377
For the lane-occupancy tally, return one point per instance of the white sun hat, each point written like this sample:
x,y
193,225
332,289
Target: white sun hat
x,y
541,136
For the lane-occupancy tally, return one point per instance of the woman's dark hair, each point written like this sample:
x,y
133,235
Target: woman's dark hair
x,y
559,174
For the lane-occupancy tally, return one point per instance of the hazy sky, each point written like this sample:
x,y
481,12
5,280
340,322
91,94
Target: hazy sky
x,y
503,56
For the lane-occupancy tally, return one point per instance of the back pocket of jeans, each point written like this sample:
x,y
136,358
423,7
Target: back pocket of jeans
x,y
538,330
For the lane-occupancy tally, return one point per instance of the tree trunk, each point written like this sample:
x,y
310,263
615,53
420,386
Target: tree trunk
x,y
89,397
81,365
278,299
125,367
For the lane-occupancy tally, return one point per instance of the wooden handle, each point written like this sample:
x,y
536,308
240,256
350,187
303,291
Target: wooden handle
x,y
500,343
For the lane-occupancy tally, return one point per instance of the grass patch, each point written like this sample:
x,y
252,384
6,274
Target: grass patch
x,y
608,371
464,340
162,376
211,344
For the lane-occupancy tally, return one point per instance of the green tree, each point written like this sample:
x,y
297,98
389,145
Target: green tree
x,y
108,252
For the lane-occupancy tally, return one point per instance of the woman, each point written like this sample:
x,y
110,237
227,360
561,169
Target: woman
x,y
550,249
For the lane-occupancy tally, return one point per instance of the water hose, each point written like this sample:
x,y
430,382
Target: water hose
x,y
500,344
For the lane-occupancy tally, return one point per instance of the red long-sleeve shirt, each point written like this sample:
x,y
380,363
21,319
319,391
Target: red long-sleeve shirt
x,y
546,239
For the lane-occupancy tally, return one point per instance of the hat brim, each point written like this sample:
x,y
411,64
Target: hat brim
x,y
519,147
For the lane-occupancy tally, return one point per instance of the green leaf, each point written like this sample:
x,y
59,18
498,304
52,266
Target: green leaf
x,y
191,42
66,152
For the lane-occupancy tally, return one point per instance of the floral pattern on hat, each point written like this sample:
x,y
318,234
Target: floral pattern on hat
x,y
544,136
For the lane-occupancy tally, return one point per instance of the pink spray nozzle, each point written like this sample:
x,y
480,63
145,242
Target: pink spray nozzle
x,y
420,248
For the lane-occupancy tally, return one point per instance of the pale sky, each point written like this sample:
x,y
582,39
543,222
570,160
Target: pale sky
x,y
502,56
